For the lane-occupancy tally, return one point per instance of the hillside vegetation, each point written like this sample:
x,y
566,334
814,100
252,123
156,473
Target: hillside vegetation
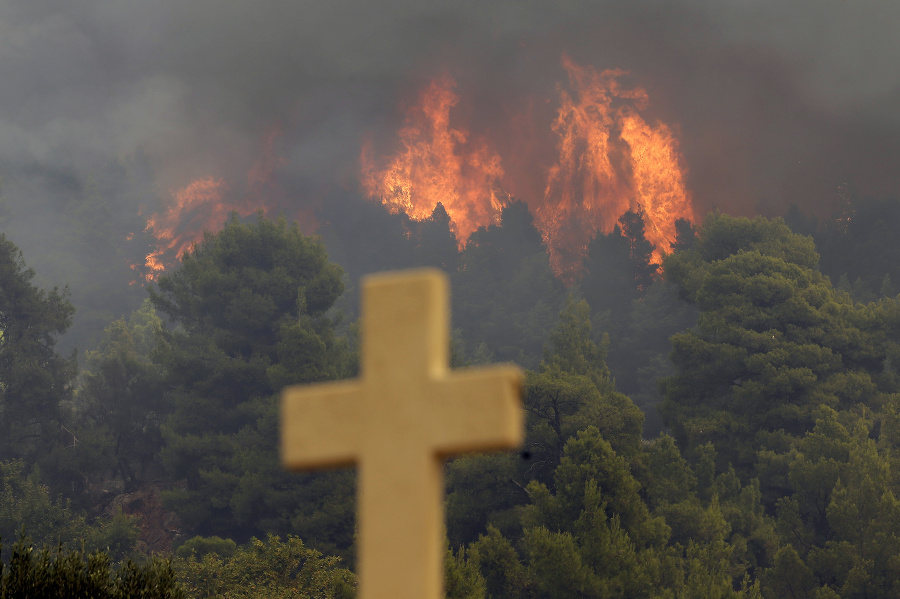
x,y
726,424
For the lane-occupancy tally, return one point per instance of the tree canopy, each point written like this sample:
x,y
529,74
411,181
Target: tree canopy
x,y
34,379
773,476
250,307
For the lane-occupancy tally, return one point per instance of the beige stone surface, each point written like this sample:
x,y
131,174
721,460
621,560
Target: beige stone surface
x,y
397,422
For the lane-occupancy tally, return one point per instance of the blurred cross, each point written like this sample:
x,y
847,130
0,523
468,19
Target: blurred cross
x,y
397,422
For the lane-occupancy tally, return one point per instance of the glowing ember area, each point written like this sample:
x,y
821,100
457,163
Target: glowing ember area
x,y
194,208
438,163
610,161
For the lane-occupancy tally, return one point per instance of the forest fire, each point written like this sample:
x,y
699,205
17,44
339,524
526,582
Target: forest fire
x,y
204,205
658,181
437,163
610,160
607,159
194,208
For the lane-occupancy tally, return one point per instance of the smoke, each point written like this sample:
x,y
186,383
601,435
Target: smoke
x,y
775,102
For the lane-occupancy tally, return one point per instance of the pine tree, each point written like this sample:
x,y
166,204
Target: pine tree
x,y
250,303
34,379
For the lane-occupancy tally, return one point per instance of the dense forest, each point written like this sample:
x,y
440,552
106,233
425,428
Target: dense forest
x,y
723,424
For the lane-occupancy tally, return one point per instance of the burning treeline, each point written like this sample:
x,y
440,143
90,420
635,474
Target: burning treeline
x,y
608,160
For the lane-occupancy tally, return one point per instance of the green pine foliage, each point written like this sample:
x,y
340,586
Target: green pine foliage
x,y
505,295
463,578
35,380
114,421
774,341
250,309
774,476
26,504
75,574
270,569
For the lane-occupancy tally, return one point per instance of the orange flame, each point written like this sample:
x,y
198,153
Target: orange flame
x,y
438,163
194,208
658,180
203,205
609,160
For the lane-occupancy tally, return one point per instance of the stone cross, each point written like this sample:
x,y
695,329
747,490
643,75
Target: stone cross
x,y
397,422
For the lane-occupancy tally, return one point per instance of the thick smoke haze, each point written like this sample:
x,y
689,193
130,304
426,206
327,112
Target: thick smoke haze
x,y
774,102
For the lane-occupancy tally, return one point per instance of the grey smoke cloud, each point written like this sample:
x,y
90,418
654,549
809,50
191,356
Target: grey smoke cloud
x,y
775,101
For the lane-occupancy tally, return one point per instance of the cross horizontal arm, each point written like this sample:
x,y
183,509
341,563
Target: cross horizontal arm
x,y
478,409
320,425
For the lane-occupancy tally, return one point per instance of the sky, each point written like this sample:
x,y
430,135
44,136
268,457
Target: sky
x,y
774,102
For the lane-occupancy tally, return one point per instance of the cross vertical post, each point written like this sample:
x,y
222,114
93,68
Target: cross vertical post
x,y
397,422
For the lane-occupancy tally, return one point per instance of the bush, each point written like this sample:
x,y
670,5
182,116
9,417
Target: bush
x,y
74,574
200,546
27,504
270,569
